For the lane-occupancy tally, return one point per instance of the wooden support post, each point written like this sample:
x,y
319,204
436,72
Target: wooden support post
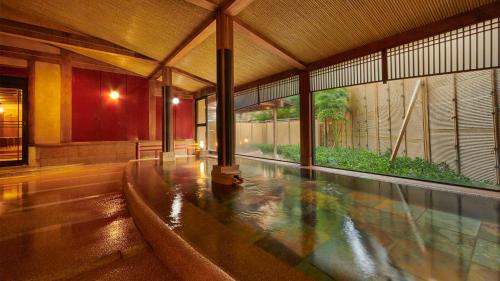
x,y
406,120
385,68
166,97
377,124
31,101
494,100
455,123
306,148
226,172
426,123
66,97
275,131
153,89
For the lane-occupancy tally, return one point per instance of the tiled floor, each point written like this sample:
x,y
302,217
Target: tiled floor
x,y
327,226
67,222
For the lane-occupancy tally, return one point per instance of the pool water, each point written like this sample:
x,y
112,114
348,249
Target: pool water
x,y
284,221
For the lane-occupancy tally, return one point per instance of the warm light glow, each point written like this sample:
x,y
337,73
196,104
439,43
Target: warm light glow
x,y
245,140
1,109
114,95
175,101
202,144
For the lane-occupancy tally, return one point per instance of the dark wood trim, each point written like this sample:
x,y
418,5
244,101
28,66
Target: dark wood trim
x,y
47,35
193,77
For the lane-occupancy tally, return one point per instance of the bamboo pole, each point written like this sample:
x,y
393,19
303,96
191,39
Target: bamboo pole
x,y
403,100
426,123
494,100
389,115
406,120
455,123
275,132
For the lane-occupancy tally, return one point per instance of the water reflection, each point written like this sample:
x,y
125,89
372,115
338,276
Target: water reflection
x,y
327,226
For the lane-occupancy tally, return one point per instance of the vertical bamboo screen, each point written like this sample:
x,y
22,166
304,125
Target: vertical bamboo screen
x,y
464,140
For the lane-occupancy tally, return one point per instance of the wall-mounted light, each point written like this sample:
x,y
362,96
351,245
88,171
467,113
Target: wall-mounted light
x,y
114,95
175,101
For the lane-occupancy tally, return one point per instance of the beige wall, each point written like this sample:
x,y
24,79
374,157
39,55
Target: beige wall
x,y
47,103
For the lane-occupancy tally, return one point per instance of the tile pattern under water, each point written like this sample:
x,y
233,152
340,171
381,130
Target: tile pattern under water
x,y
327,226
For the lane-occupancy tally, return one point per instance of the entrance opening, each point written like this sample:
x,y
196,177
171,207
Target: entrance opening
x,y
13,117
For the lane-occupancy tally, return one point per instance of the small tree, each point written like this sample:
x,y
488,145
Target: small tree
x,y
331,107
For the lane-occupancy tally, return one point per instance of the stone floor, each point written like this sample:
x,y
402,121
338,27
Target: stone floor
x,y
68,223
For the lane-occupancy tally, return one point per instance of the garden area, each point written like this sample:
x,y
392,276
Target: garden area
x,y
342,142
367,161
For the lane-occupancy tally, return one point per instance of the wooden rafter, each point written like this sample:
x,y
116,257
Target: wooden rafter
x,y
193,77
205,4
46,35
204,31
263,42
234,7
27,54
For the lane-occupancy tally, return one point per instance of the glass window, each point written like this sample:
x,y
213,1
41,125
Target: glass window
x,y
201,111
211,123
449,137
269,130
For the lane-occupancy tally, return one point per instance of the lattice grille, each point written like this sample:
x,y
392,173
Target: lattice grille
x,y
472,47
267,92
366,69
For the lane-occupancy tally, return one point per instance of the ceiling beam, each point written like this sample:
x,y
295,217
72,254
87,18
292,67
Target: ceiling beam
x,y
46,35
193,77
234,7
205,4
26,54
263,42
203,31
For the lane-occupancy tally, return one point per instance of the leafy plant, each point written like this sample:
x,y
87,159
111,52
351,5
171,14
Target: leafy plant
x,y
331,106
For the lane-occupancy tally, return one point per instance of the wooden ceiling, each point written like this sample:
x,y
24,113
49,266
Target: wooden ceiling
x,y
270,36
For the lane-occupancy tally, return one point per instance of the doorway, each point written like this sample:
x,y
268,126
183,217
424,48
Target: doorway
x,y
13,121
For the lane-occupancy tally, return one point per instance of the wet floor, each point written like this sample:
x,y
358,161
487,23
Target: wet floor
x,y
286,224
71,222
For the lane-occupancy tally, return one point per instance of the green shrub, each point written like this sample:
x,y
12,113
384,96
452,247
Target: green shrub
x,y
367,161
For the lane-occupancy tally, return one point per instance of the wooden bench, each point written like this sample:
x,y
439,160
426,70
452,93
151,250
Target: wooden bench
x,y
188,147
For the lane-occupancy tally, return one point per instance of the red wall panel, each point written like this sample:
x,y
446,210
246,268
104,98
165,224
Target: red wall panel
x,y
97,117
86,105
113,112
183,117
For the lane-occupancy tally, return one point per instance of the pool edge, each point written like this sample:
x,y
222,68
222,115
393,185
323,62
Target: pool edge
x,y
173,251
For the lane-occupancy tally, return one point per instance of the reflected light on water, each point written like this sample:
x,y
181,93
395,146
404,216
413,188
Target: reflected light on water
x,y
176,211
361,256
